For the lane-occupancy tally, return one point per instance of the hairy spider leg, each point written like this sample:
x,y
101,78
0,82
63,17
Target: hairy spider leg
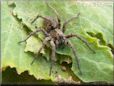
x,y
39,16
84,41
66,22
56,13
32,33
74,52
53,56
43,44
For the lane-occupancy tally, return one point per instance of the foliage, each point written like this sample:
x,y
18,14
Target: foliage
x,y
94,24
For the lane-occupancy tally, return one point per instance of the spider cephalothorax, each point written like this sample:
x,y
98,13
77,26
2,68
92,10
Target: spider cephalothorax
x,y
54,34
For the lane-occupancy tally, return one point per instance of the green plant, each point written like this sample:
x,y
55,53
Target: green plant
x,y
95,24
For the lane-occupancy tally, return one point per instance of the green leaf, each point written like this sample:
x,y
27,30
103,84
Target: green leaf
x,y
13,54
9,76
96,28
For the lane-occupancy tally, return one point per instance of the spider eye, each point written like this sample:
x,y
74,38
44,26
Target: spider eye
x,y
50,25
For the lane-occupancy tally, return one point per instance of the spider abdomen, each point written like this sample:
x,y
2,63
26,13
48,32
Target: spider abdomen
x,y
57,36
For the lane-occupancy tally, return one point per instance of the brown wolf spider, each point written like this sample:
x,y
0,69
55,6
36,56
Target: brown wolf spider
x,y
54,34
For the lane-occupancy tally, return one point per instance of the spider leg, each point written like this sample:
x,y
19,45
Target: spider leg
x,y
66,22
53,57
32,33
39,16
56,13
84,41
43,44
74,52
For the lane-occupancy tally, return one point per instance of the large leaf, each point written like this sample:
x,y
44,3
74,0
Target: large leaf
x,y
13,54
99,64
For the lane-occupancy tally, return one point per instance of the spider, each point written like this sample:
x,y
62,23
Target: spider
x,y
54,34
